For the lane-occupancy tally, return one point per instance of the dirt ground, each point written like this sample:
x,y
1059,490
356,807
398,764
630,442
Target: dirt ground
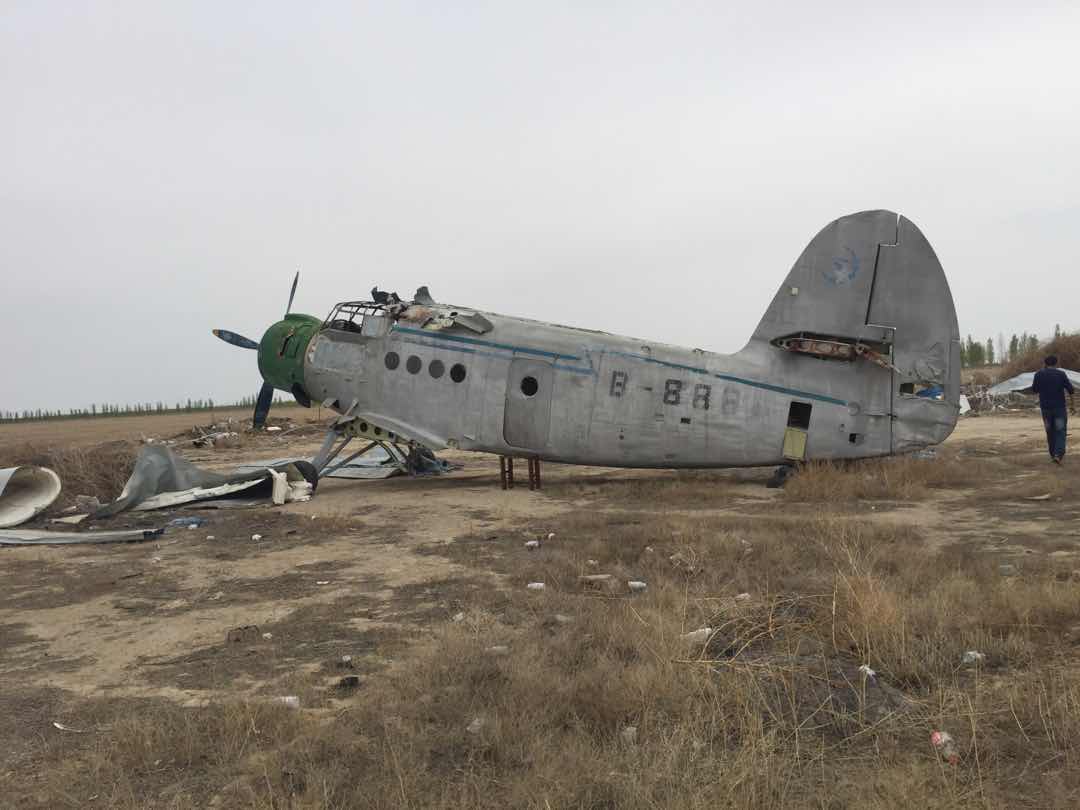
x,y
368,570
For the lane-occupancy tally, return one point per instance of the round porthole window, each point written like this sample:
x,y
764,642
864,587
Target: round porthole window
x,y
529,386
392,360
457,372
413,365
436,368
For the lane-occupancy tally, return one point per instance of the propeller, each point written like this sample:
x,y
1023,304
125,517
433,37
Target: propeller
x,y
235,339
266,393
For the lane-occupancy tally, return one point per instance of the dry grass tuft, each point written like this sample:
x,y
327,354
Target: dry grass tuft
x,y
902,478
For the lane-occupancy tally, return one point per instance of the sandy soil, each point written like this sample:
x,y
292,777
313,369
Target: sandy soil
x,y
361,570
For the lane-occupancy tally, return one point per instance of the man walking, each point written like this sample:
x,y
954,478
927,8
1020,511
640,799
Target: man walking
x,y
1050,384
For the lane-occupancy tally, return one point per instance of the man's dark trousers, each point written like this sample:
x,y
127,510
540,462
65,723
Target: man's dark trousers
x,y
1056,421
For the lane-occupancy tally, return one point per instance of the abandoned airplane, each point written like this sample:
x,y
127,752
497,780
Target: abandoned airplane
x,y
856,356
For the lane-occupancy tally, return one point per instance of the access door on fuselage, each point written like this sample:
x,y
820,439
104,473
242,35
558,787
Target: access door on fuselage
x,y
527,415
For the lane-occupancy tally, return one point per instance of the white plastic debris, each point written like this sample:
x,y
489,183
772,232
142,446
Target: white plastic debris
x,y
532,544
210,537
458,617
591,563
1007,570
273,429
742,597
649,549
280,487
972,657
497,650
865,670
699,636
256,537
346,660
636,586
628,735
298,491
475,726
267,636
535,586
62,727
561,618
944,744
292,701
322,582
551,536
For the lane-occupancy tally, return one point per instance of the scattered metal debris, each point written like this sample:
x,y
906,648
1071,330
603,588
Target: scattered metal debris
x,y
39,537
163,479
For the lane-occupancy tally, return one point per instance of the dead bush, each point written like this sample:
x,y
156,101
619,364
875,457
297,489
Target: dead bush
x,y
1066,347
99,470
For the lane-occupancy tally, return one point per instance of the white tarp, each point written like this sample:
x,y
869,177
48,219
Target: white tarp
x,y
1021,383
25,492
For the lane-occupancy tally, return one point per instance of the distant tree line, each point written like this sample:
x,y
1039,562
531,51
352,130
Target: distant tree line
x,y
973,353
135,409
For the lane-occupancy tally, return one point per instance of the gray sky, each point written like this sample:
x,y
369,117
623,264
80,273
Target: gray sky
x,y
621,166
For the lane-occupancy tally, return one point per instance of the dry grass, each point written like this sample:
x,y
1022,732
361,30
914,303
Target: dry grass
x,y
902,478
770,711
976,477
100,470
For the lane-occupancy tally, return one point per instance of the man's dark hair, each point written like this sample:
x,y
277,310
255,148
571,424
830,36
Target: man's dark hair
x,y
1051,360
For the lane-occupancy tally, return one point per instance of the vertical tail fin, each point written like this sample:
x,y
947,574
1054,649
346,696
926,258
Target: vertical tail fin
x,y
871,280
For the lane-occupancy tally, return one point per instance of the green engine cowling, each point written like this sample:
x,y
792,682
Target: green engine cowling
x,y
281,354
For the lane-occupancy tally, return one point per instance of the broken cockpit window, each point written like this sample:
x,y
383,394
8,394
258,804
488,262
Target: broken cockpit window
x,y
360,317
374,318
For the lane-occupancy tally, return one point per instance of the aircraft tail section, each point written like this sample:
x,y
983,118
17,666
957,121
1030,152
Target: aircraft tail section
x,y
869,290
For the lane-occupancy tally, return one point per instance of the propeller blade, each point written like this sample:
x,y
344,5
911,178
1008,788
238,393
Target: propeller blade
x,y
292,292
262,405
235,339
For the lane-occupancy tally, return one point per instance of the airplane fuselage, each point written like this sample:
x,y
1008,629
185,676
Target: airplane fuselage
x,y
857,356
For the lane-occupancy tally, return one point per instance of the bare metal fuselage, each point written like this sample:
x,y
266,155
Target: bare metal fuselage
x,y
526,388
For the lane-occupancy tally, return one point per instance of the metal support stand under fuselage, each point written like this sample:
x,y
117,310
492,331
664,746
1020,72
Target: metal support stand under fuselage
x,y
506,472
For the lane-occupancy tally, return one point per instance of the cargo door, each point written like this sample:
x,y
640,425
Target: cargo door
x,y
527,416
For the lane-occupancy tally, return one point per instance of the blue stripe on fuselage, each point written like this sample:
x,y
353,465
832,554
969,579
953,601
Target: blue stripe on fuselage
x,y
581,370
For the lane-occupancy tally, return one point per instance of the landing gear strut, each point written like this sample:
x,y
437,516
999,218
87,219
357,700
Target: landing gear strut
x,y
345,430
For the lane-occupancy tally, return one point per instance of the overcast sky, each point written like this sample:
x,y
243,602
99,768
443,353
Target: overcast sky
x,y
645,170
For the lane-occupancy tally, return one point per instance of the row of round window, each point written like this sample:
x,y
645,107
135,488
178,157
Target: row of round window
x,y
435,368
